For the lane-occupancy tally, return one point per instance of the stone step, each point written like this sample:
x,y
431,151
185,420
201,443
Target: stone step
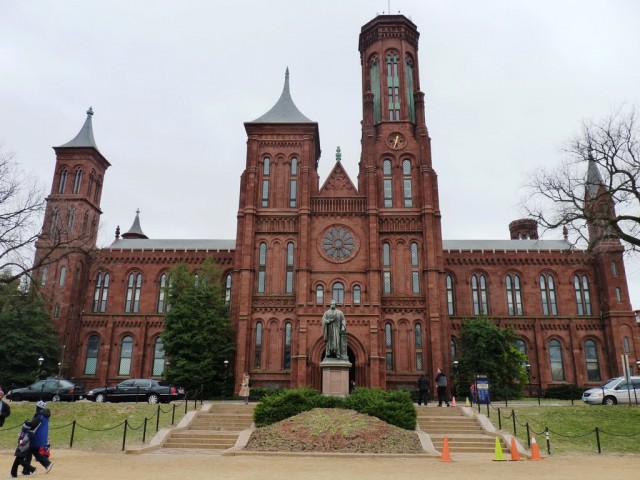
x,y
208,446
204,435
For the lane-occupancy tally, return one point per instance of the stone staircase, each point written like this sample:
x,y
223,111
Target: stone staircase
x,y
464,434
216,429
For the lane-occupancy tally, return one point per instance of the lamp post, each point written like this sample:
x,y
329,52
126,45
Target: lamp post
x,y
455,377
528,368
226,377
40,362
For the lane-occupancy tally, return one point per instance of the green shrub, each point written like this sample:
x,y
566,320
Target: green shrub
x,y
257,393
564,392
290,402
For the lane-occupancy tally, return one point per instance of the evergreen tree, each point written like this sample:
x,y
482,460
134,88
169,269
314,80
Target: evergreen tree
x,y
485,348
27,334
197,335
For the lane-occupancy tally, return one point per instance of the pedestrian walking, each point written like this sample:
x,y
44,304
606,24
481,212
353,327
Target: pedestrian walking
x,y
40,444
245,388
23,451
441,386
5,409
423,390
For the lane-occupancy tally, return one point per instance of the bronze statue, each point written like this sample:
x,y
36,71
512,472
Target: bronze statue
x,y
333,324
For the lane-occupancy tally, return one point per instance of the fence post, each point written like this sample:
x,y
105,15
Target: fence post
x,y
144,430
513,414
528,435
124,436
186,403
499,419
158,419
506,398
173,414
598,440
73,431
546,434
488,416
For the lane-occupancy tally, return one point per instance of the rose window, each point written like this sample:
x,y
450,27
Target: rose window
x,y
338,243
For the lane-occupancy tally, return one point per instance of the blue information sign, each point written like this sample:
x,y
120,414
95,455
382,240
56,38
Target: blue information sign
x,y
482,388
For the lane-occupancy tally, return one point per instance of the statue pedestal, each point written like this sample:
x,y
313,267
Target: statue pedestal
x,y
335,377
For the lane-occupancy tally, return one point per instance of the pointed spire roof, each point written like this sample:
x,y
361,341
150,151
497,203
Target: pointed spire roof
x,y
338,183
84,138
135,231
594,179
284,111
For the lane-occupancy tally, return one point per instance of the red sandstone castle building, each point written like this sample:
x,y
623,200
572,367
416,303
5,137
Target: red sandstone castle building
x,y
373,245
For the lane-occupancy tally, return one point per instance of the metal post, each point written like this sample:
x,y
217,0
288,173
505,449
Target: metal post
x,y
144,430
124,435
598,440
546,434
73,431
499,419
528,435
173,414
158,419
513,414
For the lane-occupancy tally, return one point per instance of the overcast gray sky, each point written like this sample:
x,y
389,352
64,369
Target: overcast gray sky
x,y
507,83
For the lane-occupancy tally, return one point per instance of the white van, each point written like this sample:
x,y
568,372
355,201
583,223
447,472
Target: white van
x,y
615,390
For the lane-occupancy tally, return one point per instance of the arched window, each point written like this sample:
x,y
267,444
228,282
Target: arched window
x,y
77,181
407,188
387,183
337,293
522,348
514,294
85,223
418,335
289,276
286,362
71,219
454,349
96,195
126,352
257,357
266,169
63,180
626,345
320,295
410,89
101,292
91,361
393,86
227,289
415,268
162,294
388,345
374,73
44,276
555,359
56,310
591,360
618,295
479,294
583,297
386,268
293,183
548,295
262,267
158,358
357,294
53,226
134,285
63,276
451,297
614,269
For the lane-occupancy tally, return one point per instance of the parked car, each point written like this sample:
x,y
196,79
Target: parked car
x,y
50,389
613,391
135,390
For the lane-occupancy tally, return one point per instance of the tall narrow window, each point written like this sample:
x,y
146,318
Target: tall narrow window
x,y
418,334
266,168
626,345
415,272
77,181
337,293
227,289
407,189
101,292
320,295
126,352
357,294
454,349
618,295
63,276
158,358
56,310
386,268
387,183
257,357
96,292
614,269
63,180
591,360
91,362
388,345
410,89
286,362
451,295
53,226
262,267
293,183
96,195
71,219
583,297
555,359
374,73
548,295
522,348
289,276
479,294
44,276
134,286
514,294
85,223
393,87
162,293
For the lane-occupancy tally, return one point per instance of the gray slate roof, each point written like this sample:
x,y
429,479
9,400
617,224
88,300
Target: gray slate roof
x,y
594,179
170,245
284,111
84,138
136,229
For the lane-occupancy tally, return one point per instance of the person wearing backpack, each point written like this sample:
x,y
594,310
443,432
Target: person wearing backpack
x,y
5,409
23,451
40,443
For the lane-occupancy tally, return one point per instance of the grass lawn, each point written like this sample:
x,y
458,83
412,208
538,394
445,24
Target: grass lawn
x,y
98,426
572,428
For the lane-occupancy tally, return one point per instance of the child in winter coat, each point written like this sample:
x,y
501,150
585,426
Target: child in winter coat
x,y
23,451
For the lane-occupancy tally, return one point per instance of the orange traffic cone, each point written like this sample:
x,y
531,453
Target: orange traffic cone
x,y
446,456
453,402
535,451
499,457
515,455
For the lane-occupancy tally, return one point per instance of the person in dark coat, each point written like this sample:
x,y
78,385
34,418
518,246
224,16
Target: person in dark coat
x,y
5,409
423,390
23,451
40,444
441,385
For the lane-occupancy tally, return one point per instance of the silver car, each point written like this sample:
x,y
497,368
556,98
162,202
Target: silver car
x,y
615,390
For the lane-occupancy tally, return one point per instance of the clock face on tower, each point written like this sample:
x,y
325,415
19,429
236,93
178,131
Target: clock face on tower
x,y
396,140
338,243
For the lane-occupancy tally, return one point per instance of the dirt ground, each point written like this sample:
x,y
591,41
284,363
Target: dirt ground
x,y
74,464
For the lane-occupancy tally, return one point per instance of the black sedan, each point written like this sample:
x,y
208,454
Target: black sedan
x,y
135,390
50,389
